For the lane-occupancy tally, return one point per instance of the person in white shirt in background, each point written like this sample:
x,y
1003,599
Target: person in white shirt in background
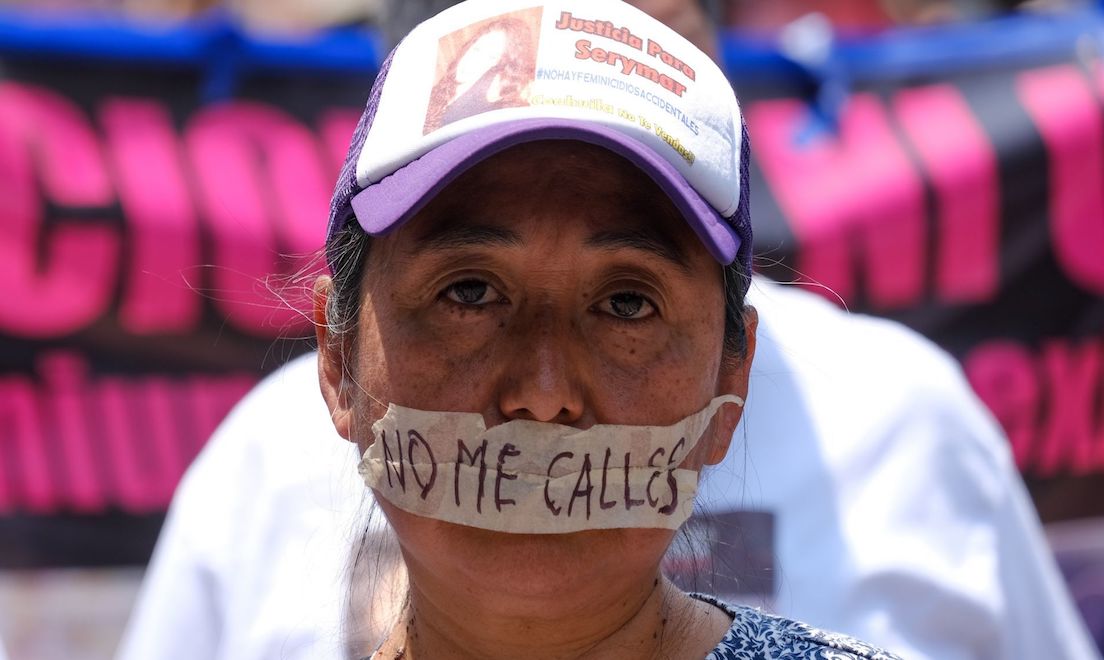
x,y
876,492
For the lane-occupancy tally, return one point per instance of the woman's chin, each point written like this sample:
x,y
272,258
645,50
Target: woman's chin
x,y
529,569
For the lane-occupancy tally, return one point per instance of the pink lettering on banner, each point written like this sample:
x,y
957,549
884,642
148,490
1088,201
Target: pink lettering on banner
x,y
165,445
27,484
263,191
1072,441
44,139
1064,109
335,128
78,444
1049,404
164,231
132,481
852,199
71,167
1003,375
962,165
66,376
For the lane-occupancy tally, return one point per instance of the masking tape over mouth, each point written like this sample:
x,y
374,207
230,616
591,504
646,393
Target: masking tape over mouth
x,y
530,477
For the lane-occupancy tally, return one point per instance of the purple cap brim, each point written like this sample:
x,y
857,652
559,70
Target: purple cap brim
x,y
383,206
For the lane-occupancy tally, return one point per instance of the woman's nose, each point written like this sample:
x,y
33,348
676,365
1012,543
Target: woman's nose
x,y
541,381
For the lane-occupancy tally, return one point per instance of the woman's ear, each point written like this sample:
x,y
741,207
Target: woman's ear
x,y
332,351
733,379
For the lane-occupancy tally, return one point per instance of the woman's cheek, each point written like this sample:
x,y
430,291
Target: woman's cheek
x,y
449,328
660,370
450,350
632,347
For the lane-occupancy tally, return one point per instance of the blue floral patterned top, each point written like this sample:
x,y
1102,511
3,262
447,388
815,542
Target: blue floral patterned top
x,y
755,635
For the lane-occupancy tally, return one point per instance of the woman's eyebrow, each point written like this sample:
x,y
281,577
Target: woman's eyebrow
x,y
453,235
641,239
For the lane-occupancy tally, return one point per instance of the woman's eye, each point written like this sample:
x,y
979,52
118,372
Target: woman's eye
x,y
472,292
629,306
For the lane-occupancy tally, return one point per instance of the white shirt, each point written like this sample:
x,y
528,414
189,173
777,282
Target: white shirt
x,y
899,517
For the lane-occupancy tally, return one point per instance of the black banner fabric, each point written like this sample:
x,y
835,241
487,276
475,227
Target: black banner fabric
x,y
972,210
157,244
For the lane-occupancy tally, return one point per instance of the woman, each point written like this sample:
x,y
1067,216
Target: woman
x,y
536,333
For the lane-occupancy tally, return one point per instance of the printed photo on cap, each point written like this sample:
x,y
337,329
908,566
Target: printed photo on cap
x,y
485,66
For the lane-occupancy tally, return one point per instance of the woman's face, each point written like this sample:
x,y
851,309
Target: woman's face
x,y
553,282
